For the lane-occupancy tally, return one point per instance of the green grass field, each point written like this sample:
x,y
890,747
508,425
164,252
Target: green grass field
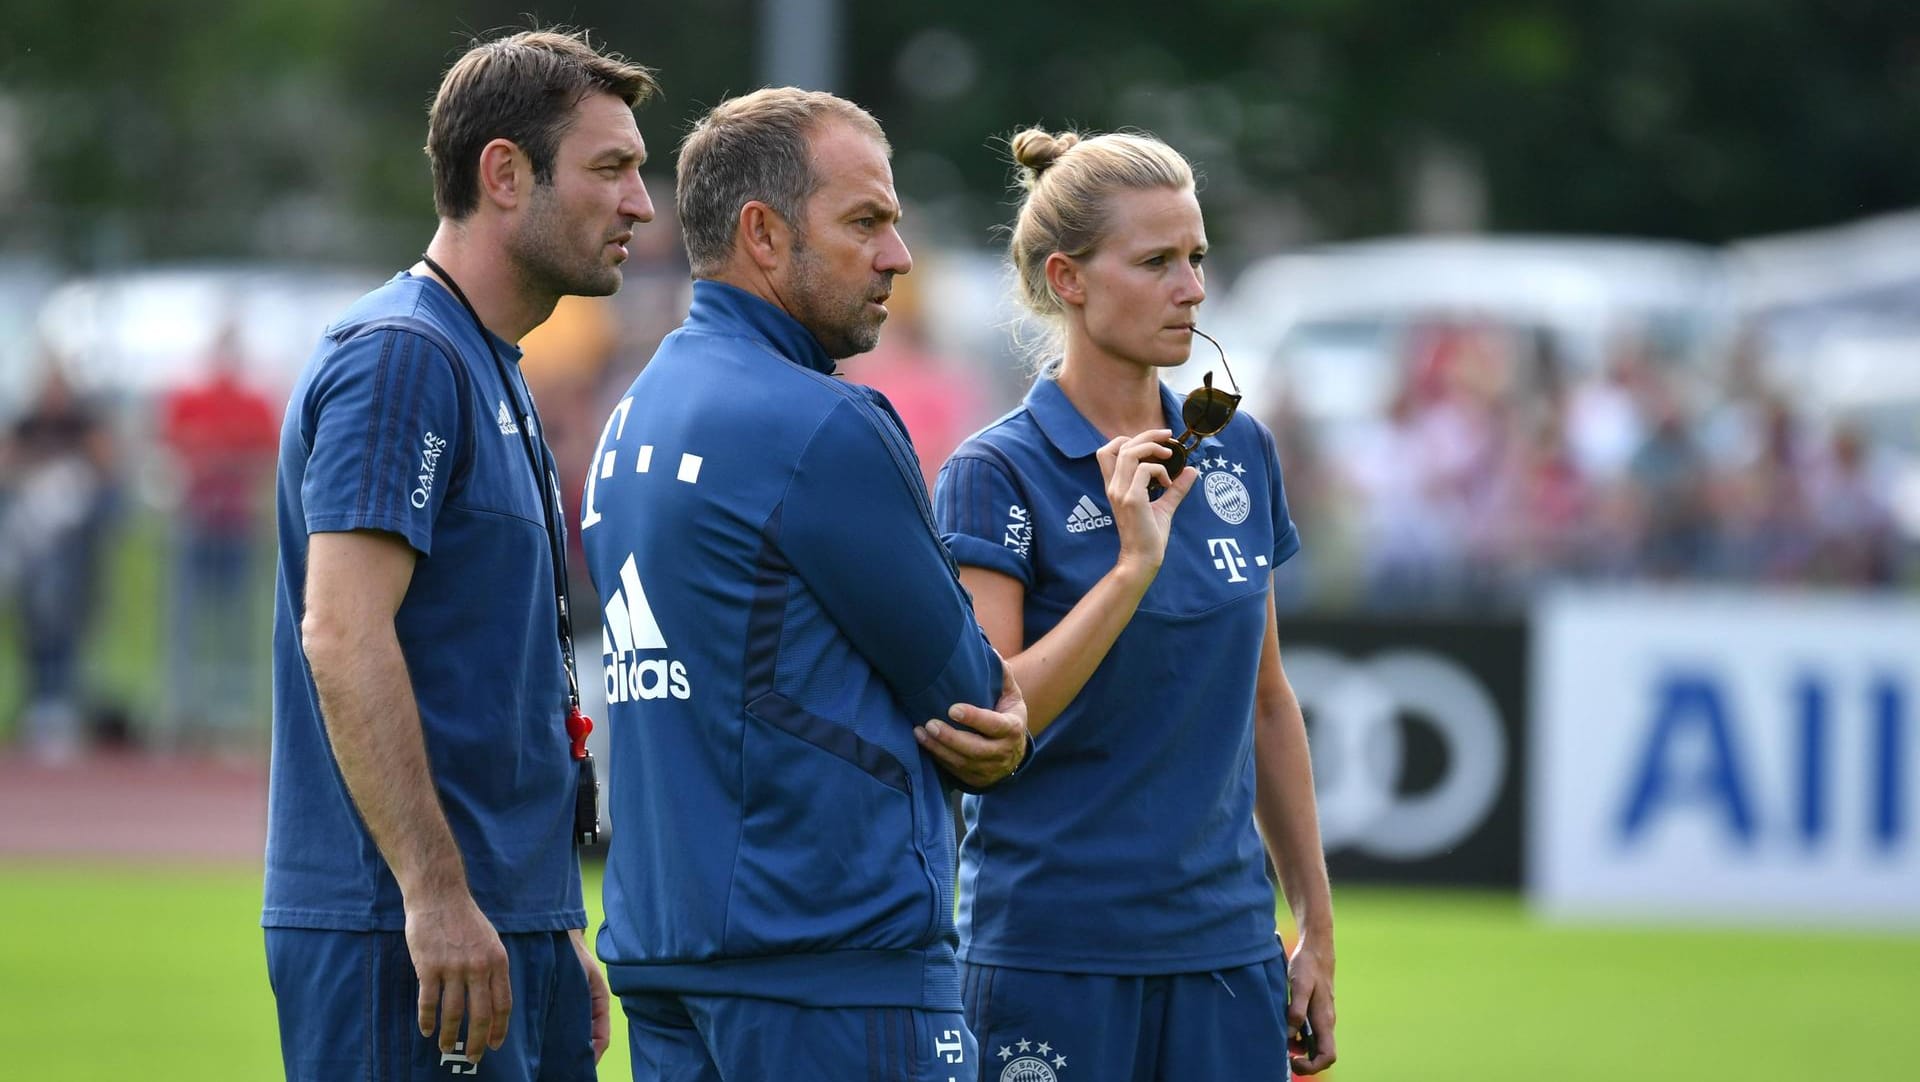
x,y
159,975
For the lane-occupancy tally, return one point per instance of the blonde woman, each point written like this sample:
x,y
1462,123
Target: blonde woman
x,y
1119,544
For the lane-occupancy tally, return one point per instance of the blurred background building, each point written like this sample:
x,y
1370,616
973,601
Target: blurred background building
x,y
1590,334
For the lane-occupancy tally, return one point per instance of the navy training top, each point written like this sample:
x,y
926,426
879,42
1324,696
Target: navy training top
x,y
777,614
400,422
1128,846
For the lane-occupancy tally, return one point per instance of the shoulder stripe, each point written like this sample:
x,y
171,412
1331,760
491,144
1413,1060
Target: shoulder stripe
x,y
987,455
400,391
368,470
403,353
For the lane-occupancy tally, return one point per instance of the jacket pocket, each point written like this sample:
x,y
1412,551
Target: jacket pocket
x,y
830,855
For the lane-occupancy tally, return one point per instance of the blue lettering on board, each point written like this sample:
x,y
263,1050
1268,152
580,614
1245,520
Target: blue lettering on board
x,y
1689,710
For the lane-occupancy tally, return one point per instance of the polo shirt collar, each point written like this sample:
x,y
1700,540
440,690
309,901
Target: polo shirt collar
x,y
1072,434
730,309
457,312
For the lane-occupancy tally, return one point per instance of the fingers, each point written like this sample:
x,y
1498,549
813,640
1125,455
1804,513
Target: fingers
x,y
500,977
1177,489
947,757
1320,1010
466,982
483,1000
1322,1015
1107,456
1317,1063
975,770
602,1012
479,1019
985,722
599,999
946,741
977,758
429,1005
1128,457
1150,474
453,1010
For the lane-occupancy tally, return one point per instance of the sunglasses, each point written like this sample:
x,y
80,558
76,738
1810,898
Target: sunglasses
x,y
1205,412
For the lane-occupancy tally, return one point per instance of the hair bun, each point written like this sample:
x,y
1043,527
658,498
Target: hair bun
x,y
1035,150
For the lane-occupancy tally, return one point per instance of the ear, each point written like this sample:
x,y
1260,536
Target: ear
x,y
1063,276
505,174
763,234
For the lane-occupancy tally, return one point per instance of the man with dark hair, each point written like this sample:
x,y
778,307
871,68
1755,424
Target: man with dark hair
x,y
421,871
788,652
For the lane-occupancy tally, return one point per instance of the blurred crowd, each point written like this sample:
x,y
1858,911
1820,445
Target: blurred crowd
x,y
58,471
1496,467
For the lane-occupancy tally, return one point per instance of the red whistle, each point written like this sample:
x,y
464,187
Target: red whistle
x,y
578,726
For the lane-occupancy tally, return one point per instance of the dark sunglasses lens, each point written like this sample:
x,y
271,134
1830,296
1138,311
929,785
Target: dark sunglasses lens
x,y
1178,461
1207,410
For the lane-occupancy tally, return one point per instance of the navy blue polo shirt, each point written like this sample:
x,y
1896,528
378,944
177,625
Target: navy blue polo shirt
x,y
1127,846
402,423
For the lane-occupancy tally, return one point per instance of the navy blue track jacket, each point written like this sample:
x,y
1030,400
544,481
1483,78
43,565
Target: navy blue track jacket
x,y
778,612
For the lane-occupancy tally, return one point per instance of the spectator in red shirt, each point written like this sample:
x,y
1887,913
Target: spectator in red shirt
x,y
936,400
223,436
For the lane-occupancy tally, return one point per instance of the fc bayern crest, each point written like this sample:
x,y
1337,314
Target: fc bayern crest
x,y
1028,1069
1227,496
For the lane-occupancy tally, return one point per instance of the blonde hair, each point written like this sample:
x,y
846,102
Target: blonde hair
x,y
1069,180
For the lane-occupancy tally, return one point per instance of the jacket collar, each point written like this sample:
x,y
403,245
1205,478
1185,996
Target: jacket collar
x,y
724,309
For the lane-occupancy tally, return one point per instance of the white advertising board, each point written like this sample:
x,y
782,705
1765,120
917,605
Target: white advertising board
x,y
1725,757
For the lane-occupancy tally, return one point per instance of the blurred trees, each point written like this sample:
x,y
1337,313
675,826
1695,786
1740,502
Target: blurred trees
x,y
293,127
278,128
1701,119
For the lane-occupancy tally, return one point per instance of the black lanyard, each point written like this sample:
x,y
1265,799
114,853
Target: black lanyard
x,y
544,478
586,821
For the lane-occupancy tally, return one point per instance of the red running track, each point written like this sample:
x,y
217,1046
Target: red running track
x,y
124,807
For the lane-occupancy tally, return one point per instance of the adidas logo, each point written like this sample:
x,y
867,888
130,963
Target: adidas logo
x,y
1085,516
504,418
629,629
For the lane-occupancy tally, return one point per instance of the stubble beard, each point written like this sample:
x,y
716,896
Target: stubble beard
x,y
541,251
842,326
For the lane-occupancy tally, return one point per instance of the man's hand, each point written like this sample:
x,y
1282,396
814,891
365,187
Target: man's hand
x,y
1310,977
463,973
993,749
597,993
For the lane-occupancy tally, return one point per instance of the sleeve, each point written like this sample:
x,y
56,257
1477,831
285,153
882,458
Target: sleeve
x,y
382,420
1286,538
858,536
983,516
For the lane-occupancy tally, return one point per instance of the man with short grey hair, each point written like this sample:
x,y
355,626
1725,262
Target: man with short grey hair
x,y
793,671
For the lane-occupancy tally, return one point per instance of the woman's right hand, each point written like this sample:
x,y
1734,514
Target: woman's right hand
x,y
1130,465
